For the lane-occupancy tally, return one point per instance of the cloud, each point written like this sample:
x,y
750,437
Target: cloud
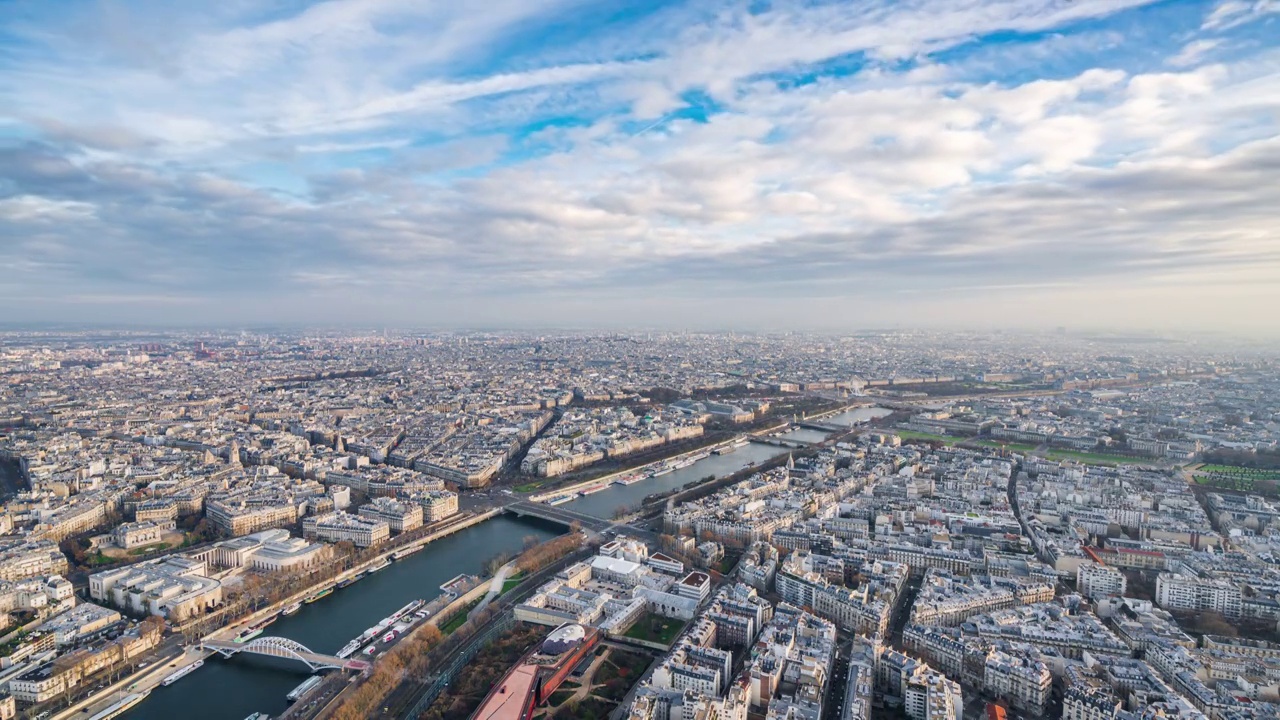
x,y
383,156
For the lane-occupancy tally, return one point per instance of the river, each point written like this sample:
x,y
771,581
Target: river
x,y
804,435
233,689
857,416
604,503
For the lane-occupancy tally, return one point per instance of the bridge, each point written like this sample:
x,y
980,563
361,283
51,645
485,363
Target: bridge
x,y
284,648
565,516
779,442
824,427
559,514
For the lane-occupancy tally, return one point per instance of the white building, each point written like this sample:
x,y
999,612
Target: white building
x,y
340,526
1175,591
1096,581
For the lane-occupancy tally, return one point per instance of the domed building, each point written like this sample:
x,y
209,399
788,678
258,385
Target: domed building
x,y
563,639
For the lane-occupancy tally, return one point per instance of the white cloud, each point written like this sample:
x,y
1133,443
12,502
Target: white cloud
x,y
580,168
1193,52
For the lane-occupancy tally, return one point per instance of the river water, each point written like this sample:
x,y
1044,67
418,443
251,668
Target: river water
x,y
857,416
233,689
603,504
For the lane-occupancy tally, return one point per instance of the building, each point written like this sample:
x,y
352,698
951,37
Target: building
x,y
142,533
1025,681
538,674
437,504
267,551
930,695
174,588
1096,581
21,558
236,517
399,516
1176,591
340,526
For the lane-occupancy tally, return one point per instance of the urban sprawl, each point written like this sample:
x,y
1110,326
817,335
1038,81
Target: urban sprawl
x,y
1048,525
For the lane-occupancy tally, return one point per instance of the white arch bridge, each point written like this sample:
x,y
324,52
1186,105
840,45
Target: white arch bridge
x,y
286,649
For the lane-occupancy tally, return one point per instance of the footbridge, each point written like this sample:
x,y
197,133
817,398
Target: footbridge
x,y
286,649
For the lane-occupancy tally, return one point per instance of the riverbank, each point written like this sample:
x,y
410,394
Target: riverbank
x,y
236,687
225,632
151,677
144,680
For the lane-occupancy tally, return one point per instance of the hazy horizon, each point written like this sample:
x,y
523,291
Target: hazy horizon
x,y
1102,165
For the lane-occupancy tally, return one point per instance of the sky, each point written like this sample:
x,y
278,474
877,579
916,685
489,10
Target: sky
x,y
610,163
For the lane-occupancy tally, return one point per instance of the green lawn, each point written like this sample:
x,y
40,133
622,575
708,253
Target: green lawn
x,y
149,549
1095,458
655,628
913,435
1011,447
510,583
1233,470
530,487
456,621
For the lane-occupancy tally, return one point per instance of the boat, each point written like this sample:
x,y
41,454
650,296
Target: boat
x,y
402,554
291,609
248,635
268,621
560,500
591,490
326,592
662,471
382,564
121,706
348,582
182,672
349,648
303,689
259,716
724,450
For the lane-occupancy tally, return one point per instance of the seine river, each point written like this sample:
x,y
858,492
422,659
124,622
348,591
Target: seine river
x,y
233,689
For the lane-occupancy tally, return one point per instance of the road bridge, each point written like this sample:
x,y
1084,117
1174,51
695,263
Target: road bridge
x,y
779,442
559,514
824,427
285,649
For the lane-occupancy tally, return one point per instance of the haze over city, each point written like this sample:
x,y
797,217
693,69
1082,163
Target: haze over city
x,y
1099,163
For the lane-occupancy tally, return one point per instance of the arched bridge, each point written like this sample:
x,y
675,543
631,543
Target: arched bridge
x,y
559,514
284,648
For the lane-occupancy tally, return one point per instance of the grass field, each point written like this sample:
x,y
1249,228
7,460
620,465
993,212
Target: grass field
x,y
456,621
1095,458
149,549
913,435
1055,454
1236,478
510,583
655,628
1255,473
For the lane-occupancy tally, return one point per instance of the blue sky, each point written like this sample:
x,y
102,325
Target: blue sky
x,y
828,165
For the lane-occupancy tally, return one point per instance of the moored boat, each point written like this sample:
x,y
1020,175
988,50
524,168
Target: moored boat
x,y
182,672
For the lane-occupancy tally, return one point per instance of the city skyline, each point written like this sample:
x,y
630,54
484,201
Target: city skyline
x,y
1088,164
